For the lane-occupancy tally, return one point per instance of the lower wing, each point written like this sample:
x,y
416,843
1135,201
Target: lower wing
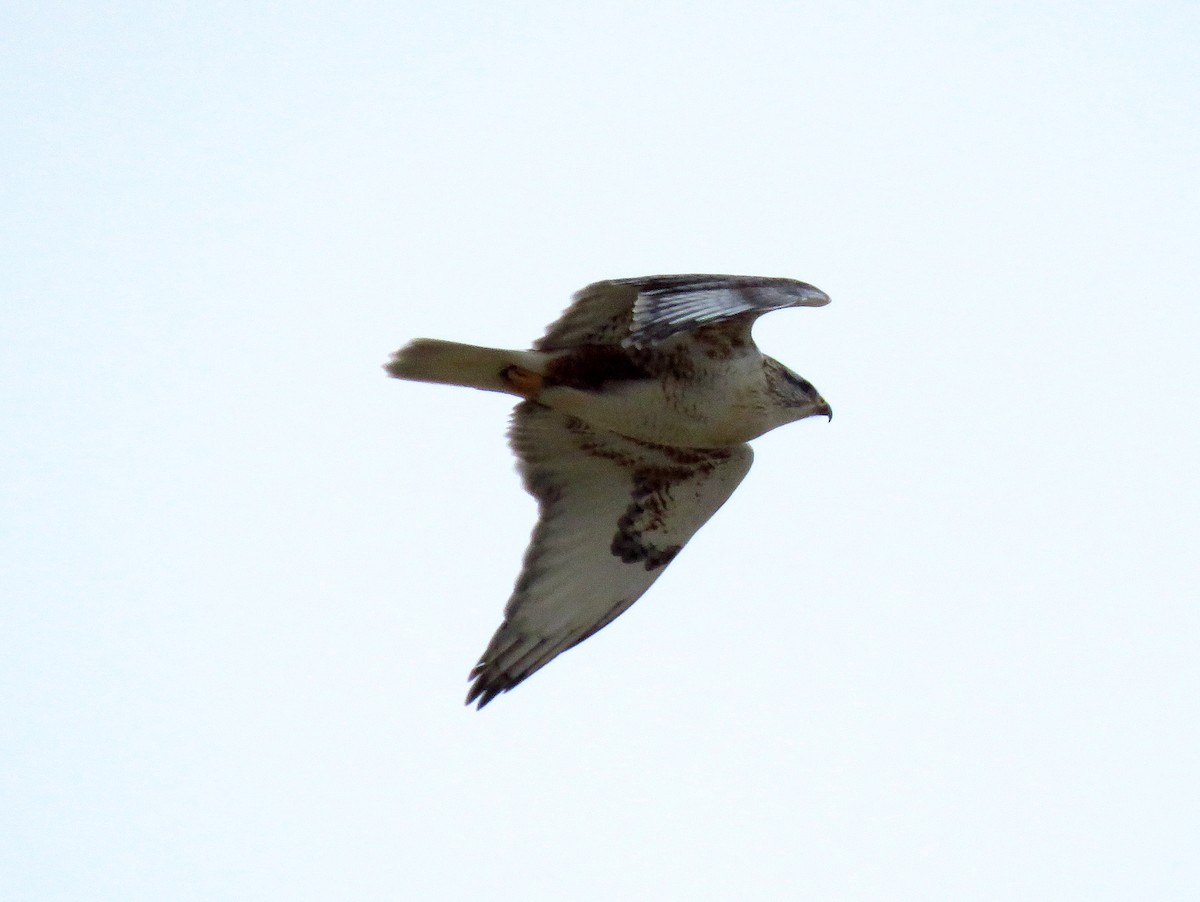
x,y
613,512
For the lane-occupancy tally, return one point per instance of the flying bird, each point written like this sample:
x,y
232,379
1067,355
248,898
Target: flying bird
x,y
638,404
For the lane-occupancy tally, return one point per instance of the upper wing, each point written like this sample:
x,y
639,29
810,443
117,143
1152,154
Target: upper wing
x,y
643,311
600,314
613,513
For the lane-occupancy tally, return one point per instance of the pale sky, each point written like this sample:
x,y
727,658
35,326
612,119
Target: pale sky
x,y
946,647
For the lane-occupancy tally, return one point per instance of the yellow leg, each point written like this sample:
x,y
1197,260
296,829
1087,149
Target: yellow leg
x,y
525,383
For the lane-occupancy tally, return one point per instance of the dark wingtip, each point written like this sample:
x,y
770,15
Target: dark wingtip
x,y
480,695
486,687
392,367
811,295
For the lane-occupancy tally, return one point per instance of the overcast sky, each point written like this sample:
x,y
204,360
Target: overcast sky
x,y
946,647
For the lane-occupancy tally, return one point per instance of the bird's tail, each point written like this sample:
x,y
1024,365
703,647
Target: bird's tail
x,y
451,363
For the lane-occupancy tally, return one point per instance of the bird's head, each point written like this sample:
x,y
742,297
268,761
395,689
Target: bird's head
x,y
793,395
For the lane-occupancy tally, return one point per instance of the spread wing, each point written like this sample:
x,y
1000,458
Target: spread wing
x,y
613,513
644,311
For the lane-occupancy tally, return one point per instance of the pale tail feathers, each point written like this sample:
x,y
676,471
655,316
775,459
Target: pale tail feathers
x,y
452,363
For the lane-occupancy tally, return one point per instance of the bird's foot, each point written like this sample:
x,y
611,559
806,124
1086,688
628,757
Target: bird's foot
x,y
525,383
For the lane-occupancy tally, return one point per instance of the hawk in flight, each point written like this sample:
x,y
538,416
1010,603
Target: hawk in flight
x,y
638,404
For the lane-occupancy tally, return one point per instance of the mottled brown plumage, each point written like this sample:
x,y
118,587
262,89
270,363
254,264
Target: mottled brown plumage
x,y
639,401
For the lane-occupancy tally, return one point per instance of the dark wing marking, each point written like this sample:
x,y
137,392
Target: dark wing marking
x,y
667,305
612,514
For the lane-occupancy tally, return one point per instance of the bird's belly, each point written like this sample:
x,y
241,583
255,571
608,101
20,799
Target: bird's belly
x,y
670,413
